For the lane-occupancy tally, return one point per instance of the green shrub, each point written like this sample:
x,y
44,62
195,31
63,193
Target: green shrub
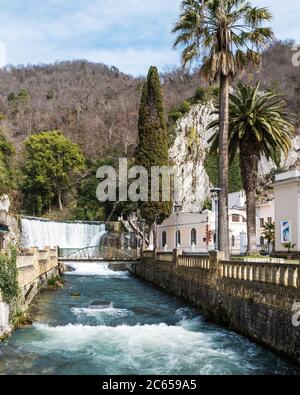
x,y
185,107
235,179
199,96
52,282
174,115
8,276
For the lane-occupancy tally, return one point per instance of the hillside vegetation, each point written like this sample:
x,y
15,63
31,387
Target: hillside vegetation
x,y
97,106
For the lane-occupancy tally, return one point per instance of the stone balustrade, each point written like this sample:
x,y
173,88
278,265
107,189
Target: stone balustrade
x,y
165,257
261,271
263,260
255,299
32,264
148,254
286,275
198,262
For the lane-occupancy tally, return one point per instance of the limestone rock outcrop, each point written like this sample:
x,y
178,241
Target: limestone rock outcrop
x,y
187,156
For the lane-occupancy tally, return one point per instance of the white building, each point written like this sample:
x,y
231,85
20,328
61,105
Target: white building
x,y
192,228
195,232
287,211
265,214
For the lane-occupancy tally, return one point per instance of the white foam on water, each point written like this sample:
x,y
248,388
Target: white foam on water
x,y
41,233
148,349
93,269
101,314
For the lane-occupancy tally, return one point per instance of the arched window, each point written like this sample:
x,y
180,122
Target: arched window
x,y
232,241
262,241
178,238
193,237
164,239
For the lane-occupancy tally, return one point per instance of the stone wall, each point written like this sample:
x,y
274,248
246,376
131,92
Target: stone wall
x,y
35,268
260,310
4,317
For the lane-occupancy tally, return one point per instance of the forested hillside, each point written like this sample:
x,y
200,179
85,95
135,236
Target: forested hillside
x,y
97,106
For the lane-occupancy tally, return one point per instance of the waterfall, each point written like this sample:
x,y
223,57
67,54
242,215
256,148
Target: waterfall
x,y
41,233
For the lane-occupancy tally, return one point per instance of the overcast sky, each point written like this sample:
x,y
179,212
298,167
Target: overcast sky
x,y
129,34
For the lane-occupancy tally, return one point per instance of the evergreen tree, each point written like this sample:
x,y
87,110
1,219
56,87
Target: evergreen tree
x,y
153,148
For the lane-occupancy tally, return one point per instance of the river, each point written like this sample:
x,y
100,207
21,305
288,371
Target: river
x,y
139,330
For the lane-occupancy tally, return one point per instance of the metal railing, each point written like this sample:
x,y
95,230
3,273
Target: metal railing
x,y
98,252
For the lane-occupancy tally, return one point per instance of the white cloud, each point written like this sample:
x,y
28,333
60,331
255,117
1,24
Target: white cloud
x,y
135,62
130,34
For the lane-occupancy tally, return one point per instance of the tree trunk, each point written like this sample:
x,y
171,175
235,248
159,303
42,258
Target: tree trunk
x,y
249,159
60,200
223,167
251,222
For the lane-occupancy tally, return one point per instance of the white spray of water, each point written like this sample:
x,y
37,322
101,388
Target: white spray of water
x,y
41,233
174,349
93,269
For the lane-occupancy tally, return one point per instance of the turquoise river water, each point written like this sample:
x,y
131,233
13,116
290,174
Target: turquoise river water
x,y
140,331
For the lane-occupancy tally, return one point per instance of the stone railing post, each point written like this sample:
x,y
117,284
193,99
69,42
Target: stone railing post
x,y
214,258
176,254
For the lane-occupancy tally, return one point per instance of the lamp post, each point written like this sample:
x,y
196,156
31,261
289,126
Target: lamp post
x,y
177,209
143,223
216,195
156,218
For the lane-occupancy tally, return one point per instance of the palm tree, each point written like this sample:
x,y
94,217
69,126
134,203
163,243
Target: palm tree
x,y
227,34
259,127
269,234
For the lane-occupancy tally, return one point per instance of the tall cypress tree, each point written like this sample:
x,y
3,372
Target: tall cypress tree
x,y
153,148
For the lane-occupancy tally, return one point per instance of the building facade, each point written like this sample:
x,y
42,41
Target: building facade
x,y
265,214
287,211
195,232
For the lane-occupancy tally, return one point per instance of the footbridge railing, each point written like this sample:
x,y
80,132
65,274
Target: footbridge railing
x,y
98,253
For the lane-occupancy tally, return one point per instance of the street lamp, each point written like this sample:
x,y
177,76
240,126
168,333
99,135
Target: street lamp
x,y
143,223
177,209
156,218
216,195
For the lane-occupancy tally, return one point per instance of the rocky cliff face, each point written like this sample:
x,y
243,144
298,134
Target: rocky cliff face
x,y
187,157
13,237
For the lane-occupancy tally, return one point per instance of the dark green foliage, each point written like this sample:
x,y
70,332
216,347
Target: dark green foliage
x,y
6,171
51,167
199,96
153,147
207,205
202,95
88,206
235,179
8,276
185,107
17,101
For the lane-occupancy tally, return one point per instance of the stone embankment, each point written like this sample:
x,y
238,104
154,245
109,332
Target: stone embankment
x,y
256,299
35,267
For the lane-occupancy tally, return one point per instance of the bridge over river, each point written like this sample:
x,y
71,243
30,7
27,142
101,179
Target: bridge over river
x,y
98,253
